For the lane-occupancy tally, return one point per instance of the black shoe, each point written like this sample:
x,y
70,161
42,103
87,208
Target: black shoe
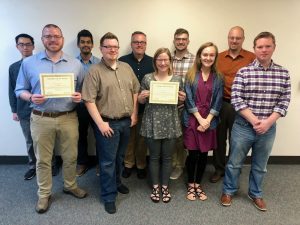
x,y
123,189
126,172
110,207
215,177
55,170
141,173
29,174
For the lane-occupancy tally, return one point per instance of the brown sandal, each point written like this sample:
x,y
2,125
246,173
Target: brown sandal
x,y
200,193
191,192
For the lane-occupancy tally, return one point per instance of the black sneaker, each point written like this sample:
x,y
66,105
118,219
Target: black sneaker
x,y
126,172
141,173
110,207
123,189
29,174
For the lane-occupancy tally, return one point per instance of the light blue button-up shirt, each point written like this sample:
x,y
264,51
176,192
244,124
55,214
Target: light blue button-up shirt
x,y
86,66
29,80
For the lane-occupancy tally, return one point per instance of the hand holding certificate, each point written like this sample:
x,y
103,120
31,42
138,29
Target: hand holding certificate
x,y
164,92
57,85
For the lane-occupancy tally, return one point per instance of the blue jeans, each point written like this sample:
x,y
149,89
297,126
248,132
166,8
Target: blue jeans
x,y
243,138
111,153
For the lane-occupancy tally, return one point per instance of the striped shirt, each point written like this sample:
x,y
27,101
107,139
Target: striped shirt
x,y
182,65
263,91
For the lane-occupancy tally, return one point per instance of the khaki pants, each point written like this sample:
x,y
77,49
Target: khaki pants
x,y
136,151
45,133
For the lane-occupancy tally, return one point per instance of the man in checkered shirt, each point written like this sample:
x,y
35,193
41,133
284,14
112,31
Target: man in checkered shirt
x,y
182,62
260,95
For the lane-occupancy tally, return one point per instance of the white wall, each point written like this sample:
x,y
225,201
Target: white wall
x,y
206,21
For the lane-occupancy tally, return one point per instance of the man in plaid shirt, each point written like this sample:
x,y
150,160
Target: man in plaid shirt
x,y
182,62
261,94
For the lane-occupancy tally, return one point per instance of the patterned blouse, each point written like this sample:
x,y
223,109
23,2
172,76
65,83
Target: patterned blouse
x,y
160,121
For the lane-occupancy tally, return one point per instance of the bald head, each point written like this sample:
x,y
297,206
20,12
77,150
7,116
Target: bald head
x,y
236,38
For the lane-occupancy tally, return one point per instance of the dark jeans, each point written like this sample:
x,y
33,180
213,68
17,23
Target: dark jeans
x,y
195,165
25,125
111,153
227,115
84,120
161,150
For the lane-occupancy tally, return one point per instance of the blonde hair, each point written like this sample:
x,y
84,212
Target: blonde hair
x,y
191,74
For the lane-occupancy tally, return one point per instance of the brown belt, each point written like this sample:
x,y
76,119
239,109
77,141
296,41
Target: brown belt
x,y
50,114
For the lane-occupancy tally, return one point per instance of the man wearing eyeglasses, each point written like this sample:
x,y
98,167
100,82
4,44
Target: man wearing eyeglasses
x,y
182,62
110,92
229,62
21,109
85,43
52,119
141,64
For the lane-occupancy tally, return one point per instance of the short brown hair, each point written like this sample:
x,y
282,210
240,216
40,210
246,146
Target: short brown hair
x,y
181,31
108,35
157,53
264,34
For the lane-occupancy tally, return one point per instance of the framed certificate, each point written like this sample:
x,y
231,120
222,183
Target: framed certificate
x,y
164,92
57,85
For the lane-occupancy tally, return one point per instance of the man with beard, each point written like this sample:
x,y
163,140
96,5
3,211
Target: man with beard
x,y
85,43
52,119
110,92
182,62
229,62
141,64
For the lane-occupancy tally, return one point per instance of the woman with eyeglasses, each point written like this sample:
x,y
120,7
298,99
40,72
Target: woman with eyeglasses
x,y
204,93
160,125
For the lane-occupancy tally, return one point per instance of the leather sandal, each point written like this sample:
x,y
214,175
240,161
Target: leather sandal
x,y
155,194
166,196
191,192
200,193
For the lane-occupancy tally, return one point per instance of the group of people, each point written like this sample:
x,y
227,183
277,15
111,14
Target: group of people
x,y
235,94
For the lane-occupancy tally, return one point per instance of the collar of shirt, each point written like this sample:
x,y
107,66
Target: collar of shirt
x,y
135,59
257,64
43,55
108,66
186,55
241,54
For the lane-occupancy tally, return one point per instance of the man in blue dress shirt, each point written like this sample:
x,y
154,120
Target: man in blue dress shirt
x,y
85,43
52,119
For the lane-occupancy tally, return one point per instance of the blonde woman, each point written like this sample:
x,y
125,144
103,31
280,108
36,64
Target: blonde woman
x,y
204,90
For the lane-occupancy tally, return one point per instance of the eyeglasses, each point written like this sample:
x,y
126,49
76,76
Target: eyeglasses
x,y
162,60
139,42
55,37
181,39
110,47
235,38
22,45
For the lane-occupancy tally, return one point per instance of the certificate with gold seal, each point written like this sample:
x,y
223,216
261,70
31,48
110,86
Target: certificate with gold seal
x,y
164,92
57,85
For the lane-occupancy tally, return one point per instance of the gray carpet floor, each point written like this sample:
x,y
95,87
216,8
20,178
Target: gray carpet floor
x,y
281,188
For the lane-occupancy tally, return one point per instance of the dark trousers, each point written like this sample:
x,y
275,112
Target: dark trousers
x,y
195,165
227,115
84,120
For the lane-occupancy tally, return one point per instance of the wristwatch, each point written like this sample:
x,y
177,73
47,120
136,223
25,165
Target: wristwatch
x,y
30,100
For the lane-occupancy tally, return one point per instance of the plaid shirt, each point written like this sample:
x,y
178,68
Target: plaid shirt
x,y
181,66
263,91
